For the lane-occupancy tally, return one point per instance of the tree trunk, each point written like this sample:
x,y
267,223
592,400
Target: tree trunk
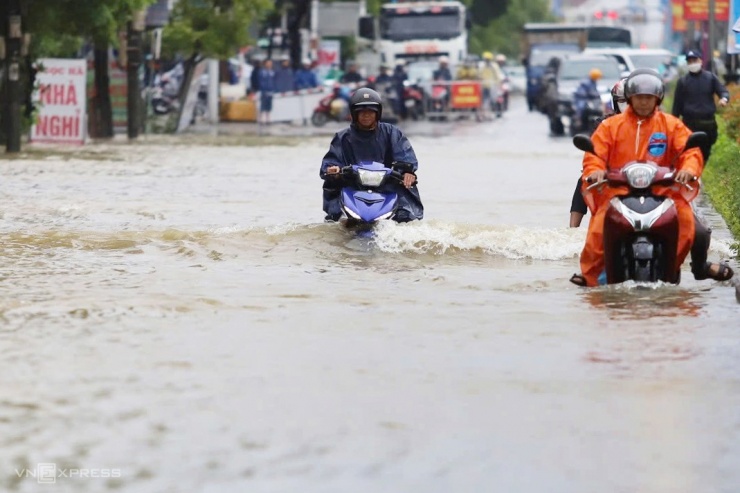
x,y
297,18
102,126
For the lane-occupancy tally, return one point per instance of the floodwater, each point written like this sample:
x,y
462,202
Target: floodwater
x,y
178,318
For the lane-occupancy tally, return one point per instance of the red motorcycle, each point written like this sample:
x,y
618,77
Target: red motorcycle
x,y
438,101
333,106
641,227
413,99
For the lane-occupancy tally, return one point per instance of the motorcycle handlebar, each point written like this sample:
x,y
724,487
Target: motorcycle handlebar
x,y
346,170
667,180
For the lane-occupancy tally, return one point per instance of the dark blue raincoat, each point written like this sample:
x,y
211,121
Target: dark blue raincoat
x,y
386,144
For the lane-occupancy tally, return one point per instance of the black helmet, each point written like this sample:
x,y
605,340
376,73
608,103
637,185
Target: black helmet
x,y
644,81
365,98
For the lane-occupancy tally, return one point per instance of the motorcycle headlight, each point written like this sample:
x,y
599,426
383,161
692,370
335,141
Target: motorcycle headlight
x,y
640,175
370,178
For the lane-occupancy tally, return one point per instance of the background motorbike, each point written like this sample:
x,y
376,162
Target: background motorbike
x,y
592,114
413,99
497,102
333,106
641,228
166,90
438,98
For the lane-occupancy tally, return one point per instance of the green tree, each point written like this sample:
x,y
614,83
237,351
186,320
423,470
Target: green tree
x,y
482,12
212,28
503,34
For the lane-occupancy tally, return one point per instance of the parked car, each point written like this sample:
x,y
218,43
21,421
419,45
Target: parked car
x,y
631,58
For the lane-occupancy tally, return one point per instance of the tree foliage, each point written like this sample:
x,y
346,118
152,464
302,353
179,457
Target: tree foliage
x,y
61,25
215,28
484,11
503,34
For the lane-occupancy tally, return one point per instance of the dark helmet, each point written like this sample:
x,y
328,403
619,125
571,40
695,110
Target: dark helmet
x,y
365,98
618,95
644,81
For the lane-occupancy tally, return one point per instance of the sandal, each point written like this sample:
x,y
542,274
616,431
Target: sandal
x,y
578,280
724,272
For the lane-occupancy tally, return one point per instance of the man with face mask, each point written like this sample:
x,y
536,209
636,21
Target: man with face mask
x,y
694,100
369,139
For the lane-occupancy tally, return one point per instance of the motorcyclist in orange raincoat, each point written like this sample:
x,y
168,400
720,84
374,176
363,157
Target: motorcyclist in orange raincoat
x,y
642,132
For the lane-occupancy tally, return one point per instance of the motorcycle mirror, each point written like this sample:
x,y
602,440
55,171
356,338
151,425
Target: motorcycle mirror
x,y
403,167
696,139
583,142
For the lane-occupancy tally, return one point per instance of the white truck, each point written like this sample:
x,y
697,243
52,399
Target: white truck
x,y
414,30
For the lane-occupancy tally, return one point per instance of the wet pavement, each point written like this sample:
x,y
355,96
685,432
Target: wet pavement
x,y
177,317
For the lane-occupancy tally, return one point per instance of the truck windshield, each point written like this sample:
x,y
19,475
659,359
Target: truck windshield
x,y
540,57
425,25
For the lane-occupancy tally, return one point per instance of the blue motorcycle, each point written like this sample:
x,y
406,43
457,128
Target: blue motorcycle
x,y
369,193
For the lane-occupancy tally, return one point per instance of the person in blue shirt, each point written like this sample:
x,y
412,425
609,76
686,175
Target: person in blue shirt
x,y
267,89
284,77
384,77
305,78
254,77
369,139
587,91
443,70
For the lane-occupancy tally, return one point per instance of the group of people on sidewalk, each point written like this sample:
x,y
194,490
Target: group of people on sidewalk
x,y
266,80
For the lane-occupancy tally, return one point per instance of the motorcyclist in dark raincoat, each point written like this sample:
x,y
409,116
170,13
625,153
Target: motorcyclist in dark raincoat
x,y
369,139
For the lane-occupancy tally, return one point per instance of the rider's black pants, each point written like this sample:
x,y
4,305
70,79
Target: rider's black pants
x,y
700,248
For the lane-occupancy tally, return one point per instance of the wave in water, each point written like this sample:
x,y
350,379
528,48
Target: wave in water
x,y
419,238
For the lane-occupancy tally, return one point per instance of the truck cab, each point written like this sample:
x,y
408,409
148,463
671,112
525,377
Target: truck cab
x,y
417,30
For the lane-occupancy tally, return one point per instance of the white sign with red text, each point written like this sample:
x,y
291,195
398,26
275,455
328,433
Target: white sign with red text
x,y
60,97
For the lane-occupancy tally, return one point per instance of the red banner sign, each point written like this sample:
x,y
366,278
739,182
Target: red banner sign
x,y
679,24
465,95
698,10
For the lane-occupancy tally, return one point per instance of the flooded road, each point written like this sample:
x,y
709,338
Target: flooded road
x,y
176,317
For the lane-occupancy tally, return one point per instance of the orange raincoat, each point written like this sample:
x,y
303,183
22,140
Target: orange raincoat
x,y
624,138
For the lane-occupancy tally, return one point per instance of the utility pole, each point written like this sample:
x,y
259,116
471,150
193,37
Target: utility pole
x,y
13,77
134,58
